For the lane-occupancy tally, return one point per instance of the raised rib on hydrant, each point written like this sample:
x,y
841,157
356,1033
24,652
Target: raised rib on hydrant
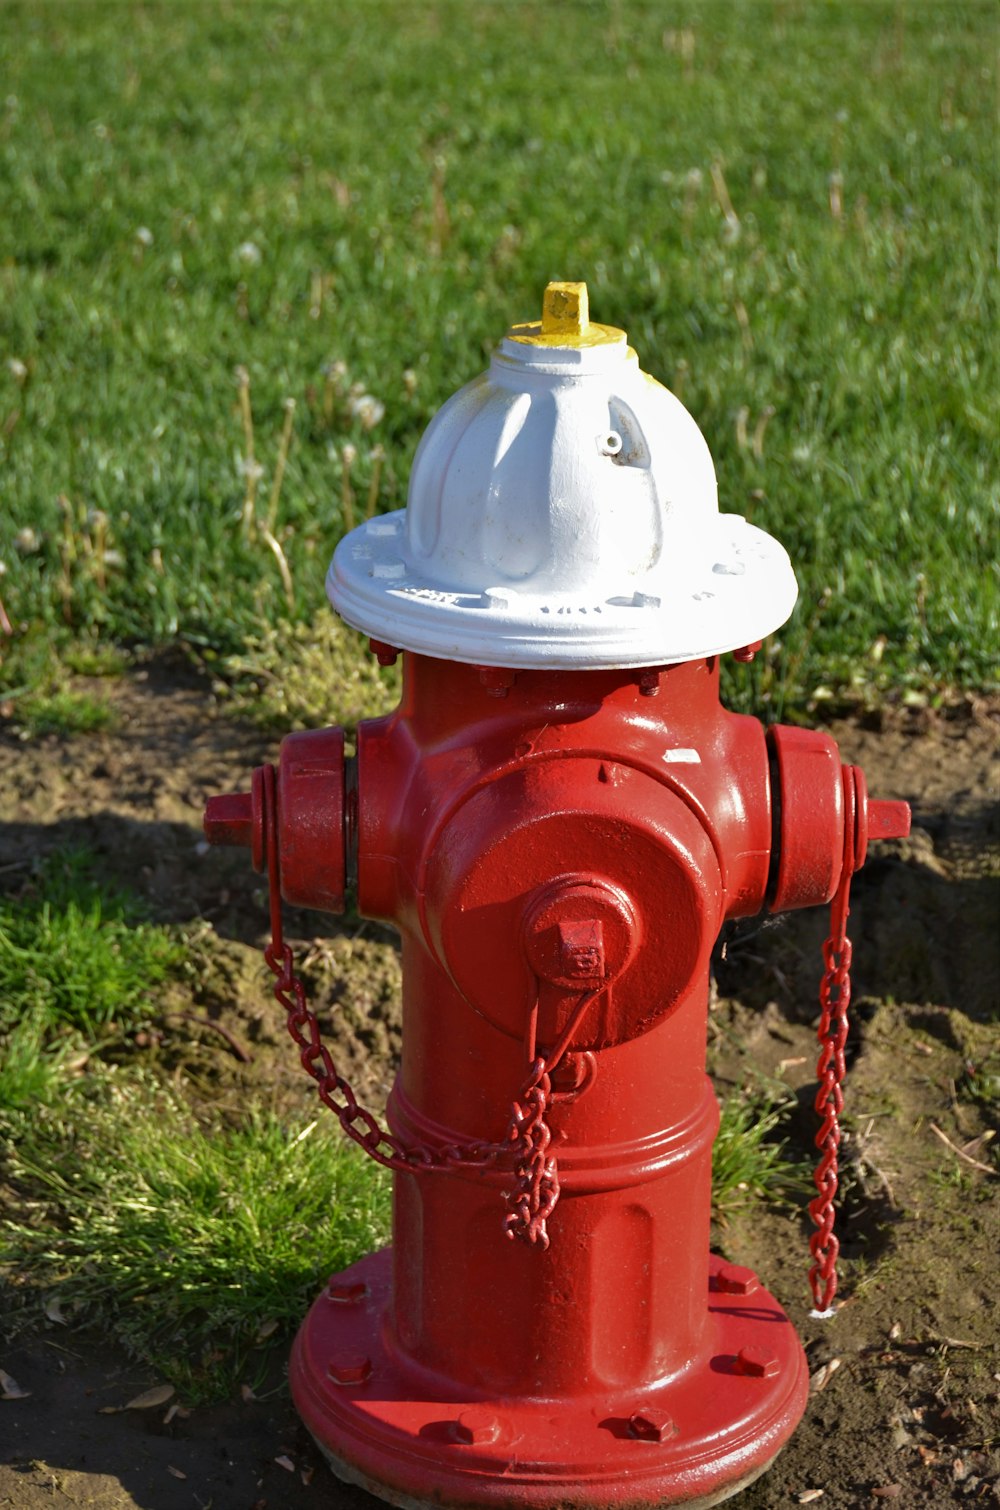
x,y
558,818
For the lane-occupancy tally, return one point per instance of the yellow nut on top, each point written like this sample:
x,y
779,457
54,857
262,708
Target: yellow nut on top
x,y
565,321
565,310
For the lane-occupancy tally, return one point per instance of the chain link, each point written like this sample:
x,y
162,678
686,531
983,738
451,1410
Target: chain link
x,y
528,1139
536,1189
834,1000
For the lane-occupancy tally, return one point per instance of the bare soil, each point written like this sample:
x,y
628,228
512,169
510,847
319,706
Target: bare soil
x,y
906,1377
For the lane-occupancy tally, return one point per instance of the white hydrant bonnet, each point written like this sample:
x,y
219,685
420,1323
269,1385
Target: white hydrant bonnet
x,y
562,512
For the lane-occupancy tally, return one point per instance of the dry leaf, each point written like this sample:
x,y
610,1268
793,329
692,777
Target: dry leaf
x,y
177,1473
53,1311
158,1395
822,1376
285,1463
307,1475
809,1495
246,1394
895,1331
266,1329
10,1389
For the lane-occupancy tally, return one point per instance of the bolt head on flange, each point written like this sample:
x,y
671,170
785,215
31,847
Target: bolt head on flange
x,y
346,1291
734,1279
756,1363
476,1428
650,1424
349,1368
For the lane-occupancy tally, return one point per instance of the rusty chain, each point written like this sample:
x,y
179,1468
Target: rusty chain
x,y
834,1000
528,1139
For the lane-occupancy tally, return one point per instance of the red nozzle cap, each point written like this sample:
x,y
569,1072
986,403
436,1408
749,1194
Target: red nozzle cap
x,y
229,819
888,820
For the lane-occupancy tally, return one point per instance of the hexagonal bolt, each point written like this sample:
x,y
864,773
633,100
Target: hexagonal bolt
x,y
497,680
386,655
756,1363
651,1425
581,948
476,1428
350,1368
734,1279
346,1291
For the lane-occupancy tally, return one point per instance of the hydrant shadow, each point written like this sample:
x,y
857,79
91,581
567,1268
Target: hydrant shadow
x,y
170,868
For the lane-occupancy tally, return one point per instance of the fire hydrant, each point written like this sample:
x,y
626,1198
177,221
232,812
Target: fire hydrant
x,y
558,818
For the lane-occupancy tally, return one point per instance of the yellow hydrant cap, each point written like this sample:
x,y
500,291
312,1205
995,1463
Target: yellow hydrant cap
x,y
565,321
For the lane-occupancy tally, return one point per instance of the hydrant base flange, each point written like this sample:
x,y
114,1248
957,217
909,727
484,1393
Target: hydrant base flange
x,y
408,1437
349,1474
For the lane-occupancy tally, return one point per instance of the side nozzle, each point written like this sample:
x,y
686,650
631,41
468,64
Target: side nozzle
x,y
307,819
824,818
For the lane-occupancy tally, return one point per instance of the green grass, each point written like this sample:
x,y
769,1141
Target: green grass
x,y
190,1237
80,965
40,696
749,1161
194,1243
306,674
64,711
357,199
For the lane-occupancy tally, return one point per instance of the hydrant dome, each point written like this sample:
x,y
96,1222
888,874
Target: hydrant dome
x,y
563,512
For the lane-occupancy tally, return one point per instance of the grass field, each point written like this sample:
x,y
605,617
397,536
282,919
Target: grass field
x,y
789,207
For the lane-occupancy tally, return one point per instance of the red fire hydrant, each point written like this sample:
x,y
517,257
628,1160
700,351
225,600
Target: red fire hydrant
x,y
558,818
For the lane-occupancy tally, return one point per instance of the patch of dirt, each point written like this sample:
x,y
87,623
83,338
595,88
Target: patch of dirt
x,y
906,1400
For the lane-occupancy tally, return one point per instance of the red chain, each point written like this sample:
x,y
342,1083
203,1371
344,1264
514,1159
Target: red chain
x,y
536,1186
537,1174
834,999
